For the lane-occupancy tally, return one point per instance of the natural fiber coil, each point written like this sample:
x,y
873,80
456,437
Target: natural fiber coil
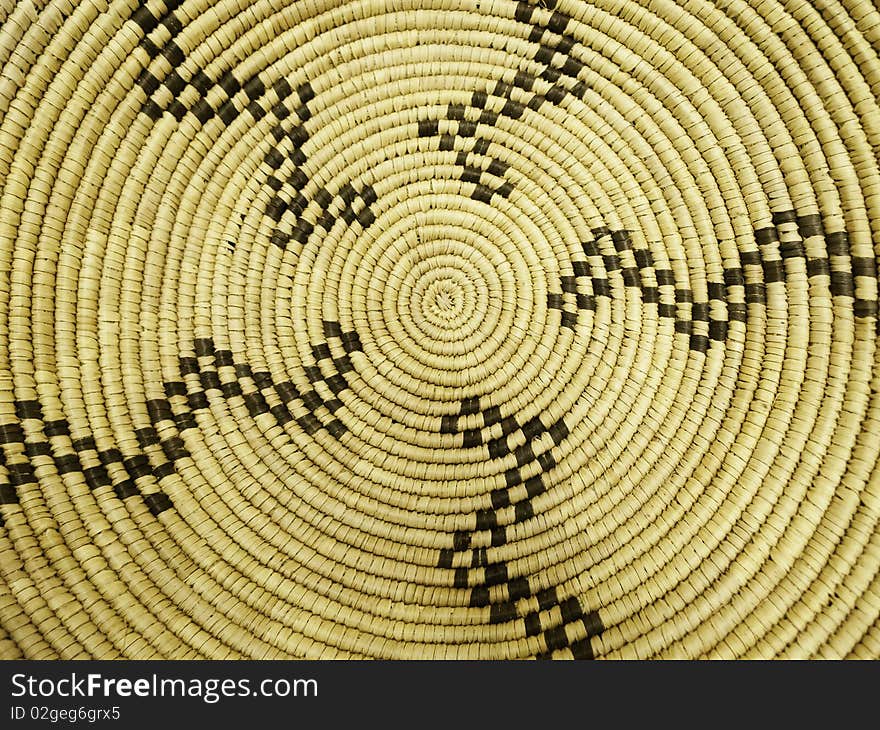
x,y
439,329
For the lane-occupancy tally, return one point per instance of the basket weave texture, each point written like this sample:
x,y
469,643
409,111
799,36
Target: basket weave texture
x,y
439,329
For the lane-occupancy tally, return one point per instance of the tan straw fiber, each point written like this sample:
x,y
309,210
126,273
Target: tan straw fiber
x,y
439,328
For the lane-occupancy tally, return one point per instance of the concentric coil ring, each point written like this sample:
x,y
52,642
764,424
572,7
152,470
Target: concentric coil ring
x,y
439,330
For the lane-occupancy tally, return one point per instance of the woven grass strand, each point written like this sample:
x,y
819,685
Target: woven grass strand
x,y
445,329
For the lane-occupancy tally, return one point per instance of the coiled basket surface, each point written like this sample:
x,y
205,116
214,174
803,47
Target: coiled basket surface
x,y
439,329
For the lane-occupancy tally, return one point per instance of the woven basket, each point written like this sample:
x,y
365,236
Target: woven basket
x,y
439,328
